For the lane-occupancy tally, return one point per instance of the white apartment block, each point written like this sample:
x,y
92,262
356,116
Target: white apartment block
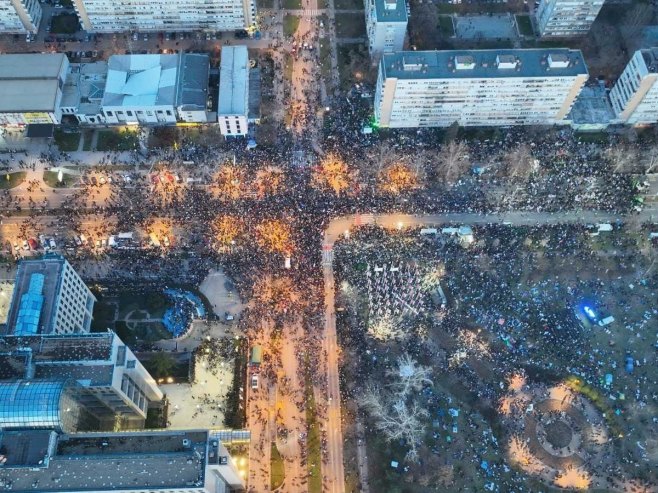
x,y
233,99
20,16
634,96
567,17
478,88
386,25
165,15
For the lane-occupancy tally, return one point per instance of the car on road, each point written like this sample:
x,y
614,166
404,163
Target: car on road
x,y
52,244
94,181
254,382
26,245
102,180
33,244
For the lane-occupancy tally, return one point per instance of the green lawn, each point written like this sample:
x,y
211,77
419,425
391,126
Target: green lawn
x,y
313,442
350,26
66,142
50,178
446,8
64,24
525,25
110,140
348,4
291,4
446,26
265,4
12,180
277,470
290,25
325,57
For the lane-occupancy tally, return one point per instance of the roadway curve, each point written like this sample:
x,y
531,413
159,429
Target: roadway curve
x,y
333,472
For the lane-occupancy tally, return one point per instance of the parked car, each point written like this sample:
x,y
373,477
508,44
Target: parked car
x,y
254,382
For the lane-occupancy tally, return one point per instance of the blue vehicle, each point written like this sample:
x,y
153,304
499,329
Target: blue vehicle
x,y
629,363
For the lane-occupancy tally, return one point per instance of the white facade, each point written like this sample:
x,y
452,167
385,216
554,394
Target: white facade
x,y
165,15
567,17
478,88
634,96
233,105
20,16
386,25
74,303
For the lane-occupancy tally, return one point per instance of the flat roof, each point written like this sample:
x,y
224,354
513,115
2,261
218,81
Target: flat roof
x,y
21,66
26,448
391,10
475,64
193,73
51,267
233,81
29,82
132,460
85,86
141,80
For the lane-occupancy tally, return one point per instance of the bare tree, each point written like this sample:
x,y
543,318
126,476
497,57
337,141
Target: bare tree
x,y
621,158
452,162
395,418
409,376
519,163
649,160
630,27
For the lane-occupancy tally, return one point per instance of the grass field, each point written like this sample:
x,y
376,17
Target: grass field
x,y
64,24
325,57
12,180
110,140
50,178
290,25
446,26
67,142
277,470
525,25
291,4
265,4
313,443
348,5
350,26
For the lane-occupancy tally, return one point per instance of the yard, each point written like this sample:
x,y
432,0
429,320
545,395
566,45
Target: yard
x,y
525,25
12,180
117,140
446,26
290,25
350,26
64,24
67,141
354,65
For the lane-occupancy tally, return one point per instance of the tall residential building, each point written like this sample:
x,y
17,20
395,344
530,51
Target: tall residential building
x,y
233,105
31,88
49,298
18,16
634,96
192,461
103,373
386,25
567,17
478,88
165,15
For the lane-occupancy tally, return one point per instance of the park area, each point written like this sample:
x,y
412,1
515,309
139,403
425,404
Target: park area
x,y
499,358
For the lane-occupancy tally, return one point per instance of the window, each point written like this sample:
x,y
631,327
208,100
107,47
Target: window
x,y
129,113
130,363
168,113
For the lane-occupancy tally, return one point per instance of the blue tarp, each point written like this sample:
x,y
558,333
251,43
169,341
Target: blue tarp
x,y
187,307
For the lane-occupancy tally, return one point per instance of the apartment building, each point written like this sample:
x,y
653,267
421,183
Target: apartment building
x,y
386,26
49,298
478,88
20,16
567,17
233,99
634,96
103,374
165,15
187,461
31,88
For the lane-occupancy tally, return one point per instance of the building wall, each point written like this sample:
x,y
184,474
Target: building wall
x,y
136,115
233,125
383,37
165,15
193,116
74,304
634,96
20,16
501,101
567,17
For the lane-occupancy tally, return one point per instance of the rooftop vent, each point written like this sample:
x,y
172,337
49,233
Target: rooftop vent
x,y
558,60
464,62
506,61
390,4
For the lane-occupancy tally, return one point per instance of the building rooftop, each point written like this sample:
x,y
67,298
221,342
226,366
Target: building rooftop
x,y
254,94
26,448
486,64
91,462
193,73
84,87
29,82
233,81
30,404
141,80
592,107
650,57
391,10
22,318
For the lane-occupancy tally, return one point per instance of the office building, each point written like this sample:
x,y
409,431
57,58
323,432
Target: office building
x,y
567,17
165,15
134,462
634,96
478,88
31,88
20,16
233,105
107,379
49,298
386,25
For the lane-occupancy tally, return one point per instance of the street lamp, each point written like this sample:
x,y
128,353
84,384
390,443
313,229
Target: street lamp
x,y
60,176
